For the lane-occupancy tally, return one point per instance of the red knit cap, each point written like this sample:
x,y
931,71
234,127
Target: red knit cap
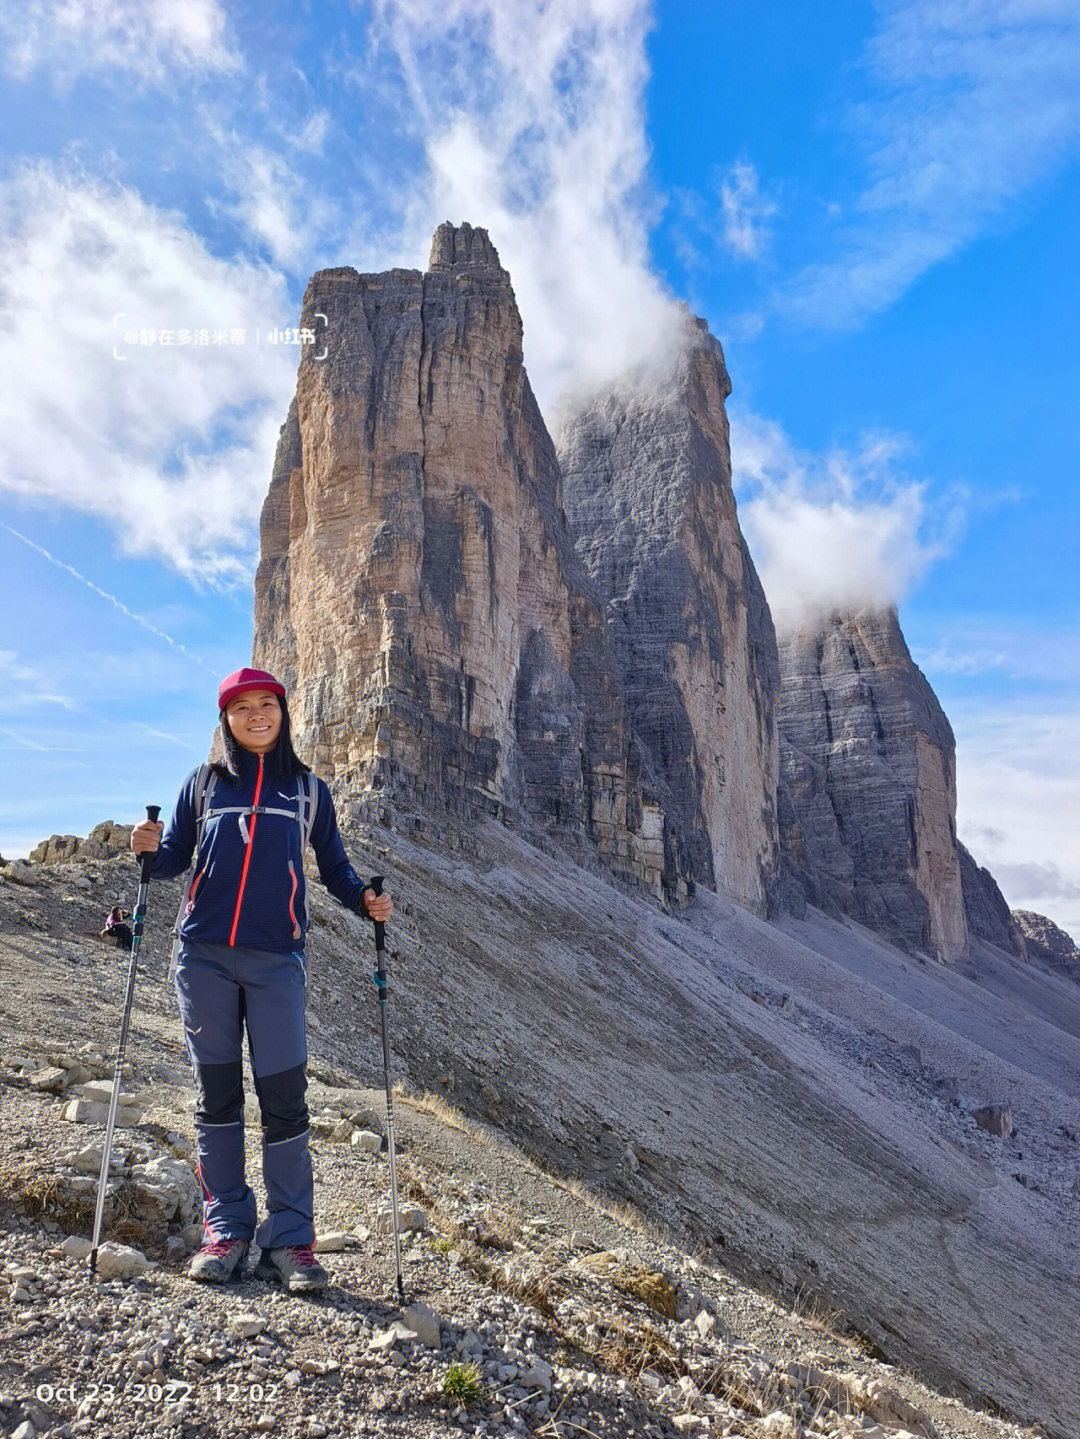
x,y
243,680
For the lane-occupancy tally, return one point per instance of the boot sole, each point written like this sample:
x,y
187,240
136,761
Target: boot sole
x,y
272,1272
233,1277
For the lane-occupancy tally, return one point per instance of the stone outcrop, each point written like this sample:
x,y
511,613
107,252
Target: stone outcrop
x,y
418,590
647,485
1048,943
868,813
988,915
103,842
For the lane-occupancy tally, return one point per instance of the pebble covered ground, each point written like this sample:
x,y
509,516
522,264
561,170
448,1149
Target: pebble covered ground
x,y
532,1306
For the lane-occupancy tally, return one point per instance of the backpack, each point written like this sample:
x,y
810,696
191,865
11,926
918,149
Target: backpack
x,y
307,799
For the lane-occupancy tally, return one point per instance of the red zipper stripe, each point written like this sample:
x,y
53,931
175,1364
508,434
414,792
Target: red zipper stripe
x,y
292,896
247,855
194,887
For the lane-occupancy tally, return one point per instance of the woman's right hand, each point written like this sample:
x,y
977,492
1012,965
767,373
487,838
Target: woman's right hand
x,y
146,836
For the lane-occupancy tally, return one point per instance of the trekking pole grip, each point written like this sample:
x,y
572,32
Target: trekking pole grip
x,y
380,926
152,812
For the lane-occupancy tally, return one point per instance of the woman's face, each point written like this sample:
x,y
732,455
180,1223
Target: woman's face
x,y
255,720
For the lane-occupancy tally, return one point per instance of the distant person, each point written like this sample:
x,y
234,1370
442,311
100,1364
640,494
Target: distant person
x,y
240,964
117,928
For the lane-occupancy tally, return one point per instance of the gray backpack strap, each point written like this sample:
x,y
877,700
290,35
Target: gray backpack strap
x,y
205,780
308,796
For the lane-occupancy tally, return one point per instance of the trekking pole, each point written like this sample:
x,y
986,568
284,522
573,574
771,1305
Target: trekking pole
x,y
380,985
152,812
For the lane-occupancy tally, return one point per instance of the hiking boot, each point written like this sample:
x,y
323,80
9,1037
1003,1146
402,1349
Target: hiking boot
x,y
219,1261
295,1266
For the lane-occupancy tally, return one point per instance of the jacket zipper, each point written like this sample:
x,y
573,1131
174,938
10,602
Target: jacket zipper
x,y
194,886
247,854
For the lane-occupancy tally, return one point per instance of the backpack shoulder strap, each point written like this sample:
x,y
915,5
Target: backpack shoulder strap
x,y
205,782
308,797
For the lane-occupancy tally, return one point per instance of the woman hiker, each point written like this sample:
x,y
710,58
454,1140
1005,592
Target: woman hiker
x,y
117,928
240,963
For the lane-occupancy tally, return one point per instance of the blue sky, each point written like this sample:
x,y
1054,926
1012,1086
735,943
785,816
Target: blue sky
x,y
875,206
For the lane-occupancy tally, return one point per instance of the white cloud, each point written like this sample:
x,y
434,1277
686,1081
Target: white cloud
x,y
271,200
1018,795
975,104
173,445
149,39
531,122
24,686
988,647
835,531
746,212
311,137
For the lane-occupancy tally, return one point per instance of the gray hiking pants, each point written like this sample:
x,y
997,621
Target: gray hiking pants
x,y
222,990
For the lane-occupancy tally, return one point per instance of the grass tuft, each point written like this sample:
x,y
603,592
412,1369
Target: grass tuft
x,y
461,1385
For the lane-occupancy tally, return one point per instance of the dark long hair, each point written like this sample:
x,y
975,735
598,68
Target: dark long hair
x,y
282,761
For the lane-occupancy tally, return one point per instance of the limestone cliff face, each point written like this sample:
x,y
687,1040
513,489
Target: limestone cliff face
x,y
418,590
647,484
868,814
988,915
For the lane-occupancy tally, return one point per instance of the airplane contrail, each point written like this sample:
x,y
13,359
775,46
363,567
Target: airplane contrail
x,y
139,620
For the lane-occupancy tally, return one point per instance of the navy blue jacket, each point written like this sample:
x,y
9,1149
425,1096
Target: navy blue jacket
x,y
252,892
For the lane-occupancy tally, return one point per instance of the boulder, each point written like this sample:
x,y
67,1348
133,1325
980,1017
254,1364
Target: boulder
x,y
119,1261
166,1189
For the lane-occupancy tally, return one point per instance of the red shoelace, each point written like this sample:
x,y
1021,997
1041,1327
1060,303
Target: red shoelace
x,y
303,1255
220,1248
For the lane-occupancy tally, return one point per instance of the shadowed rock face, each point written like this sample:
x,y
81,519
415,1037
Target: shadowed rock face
x,y
647,481
988,915
418,591
867,757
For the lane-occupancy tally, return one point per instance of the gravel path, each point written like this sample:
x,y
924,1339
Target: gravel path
x,y
571,1315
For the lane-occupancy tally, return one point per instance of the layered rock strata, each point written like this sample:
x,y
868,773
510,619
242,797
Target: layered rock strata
x,y
418,590
867,763
647,485
988,915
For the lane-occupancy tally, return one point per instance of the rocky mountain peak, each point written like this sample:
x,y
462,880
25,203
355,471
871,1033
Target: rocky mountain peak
x,y
647,488
456,246
1049,943
869,777
418,590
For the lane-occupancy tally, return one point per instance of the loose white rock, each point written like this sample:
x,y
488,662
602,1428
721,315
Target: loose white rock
x,y
120,1261
332,1243
19,872
366,1141
247,1326
76,1247
410,1218
426,1323
386,1339
538,1377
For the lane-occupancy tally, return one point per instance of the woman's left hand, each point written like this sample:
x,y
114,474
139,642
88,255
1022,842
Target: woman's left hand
x,y
378,906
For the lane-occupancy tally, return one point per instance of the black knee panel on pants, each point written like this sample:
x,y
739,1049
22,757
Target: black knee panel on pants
x,y
281,1100
221,1093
